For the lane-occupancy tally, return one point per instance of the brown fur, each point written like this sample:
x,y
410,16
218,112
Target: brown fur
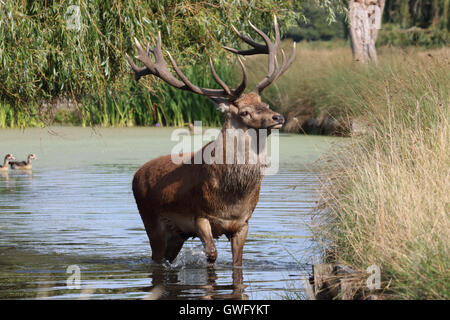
x,y
177,201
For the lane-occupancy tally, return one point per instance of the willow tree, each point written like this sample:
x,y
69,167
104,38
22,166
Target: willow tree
x,y
365,21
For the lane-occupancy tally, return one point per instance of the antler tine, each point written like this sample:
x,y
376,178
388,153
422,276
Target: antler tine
x,y
138,71
239,90
159,69
257,47
180,74
143,56
286,63
272,63
158,51
270,48
216,77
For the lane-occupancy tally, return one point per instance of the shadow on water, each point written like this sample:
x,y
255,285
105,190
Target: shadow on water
x,y
76,208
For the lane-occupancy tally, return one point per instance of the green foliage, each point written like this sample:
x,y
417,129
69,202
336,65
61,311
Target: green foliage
x,y
393,35
418,13
42,57
19,117
422,23
316,26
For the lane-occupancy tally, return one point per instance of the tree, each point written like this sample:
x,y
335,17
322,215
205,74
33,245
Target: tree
x,y
365,20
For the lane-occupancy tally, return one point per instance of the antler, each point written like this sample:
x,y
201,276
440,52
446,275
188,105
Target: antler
x,y
269,48
159,69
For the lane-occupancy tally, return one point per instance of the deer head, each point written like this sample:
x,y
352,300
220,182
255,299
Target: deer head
x,y
242,110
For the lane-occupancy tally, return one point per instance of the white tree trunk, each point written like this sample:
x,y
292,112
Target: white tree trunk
x,y
365,20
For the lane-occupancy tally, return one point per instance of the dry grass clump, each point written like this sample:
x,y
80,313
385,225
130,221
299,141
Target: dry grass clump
x,y
386,193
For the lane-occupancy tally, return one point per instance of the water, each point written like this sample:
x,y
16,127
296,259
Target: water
x,y
76,208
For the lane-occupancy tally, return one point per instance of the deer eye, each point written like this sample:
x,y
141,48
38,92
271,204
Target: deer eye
x,y
244,114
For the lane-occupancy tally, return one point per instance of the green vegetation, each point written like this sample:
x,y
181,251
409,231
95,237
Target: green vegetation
x,y
45,57
422,23
314,25
394,35
385,193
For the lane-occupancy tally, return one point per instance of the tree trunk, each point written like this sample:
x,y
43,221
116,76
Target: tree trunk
x,y
365,20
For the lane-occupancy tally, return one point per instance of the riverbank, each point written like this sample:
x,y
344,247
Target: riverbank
x,y
384,196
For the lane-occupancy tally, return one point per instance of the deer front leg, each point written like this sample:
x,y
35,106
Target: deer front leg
x,y
237,245
205,235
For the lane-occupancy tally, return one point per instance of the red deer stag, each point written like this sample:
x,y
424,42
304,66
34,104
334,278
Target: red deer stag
x,y
178,201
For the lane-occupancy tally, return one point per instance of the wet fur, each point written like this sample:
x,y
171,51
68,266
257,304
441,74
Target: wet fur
x,y
178,201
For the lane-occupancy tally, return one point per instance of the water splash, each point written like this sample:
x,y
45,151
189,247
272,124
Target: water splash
x,y
189,257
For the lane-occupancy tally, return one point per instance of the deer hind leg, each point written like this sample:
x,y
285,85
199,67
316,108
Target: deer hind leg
x,y
174,244
237,245
205,235
156,233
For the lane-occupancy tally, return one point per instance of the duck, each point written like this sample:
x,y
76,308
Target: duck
x,y
193,130
23,165
5,166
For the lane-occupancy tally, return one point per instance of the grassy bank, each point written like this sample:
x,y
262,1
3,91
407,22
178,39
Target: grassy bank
x,y
384,195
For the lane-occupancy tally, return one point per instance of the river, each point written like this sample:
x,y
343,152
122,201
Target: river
x,y
75,212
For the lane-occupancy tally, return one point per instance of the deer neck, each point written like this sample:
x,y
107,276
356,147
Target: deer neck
x,y
239,178
255,139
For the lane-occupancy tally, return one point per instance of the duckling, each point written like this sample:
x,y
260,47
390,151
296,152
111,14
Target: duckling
x,y
23,165
8,157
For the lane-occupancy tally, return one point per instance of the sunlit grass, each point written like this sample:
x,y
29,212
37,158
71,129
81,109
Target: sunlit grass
x,y
385,197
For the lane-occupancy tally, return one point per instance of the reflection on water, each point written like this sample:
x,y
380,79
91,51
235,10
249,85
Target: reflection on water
x,y
76,208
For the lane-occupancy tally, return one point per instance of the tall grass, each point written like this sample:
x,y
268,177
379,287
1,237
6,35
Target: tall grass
x,y
324,77
388,204
384,195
